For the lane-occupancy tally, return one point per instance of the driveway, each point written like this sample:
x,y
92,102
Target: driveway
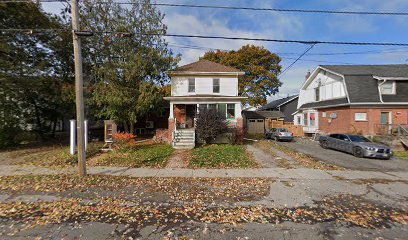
x,y
344,159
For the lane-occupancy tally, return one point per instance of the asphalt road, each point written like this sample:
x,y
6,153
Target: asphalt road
x,y
344,159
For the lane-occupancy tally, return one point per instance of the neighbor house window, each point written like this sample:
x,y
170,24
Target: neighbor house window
x,y
388,87
324,114
312,119
230,110
305,119
216,85
191,85
299,120
317,94
360,116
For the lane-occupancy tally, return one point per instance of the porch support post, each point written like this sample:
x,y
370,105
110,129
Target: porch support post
x,y
171,115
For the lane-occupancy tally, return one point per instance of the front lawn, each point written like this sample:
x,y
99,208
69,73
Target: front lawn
x,y
222,156
147,155
401,154
48,156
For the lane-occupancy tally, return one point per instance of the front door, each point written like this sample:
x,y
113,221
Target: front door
x,y
385,122
191,111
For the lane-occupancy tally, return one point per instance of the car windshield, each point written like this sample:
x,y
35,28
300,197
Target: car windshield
x,y
355,138
282,130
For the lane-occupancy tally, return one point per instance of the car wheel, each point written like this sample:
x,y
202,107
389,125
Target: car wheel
x,y
324,145
358,152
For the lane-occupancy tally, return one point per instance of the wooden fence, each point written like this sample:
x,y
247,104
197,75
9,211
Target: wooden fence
x,y
297,130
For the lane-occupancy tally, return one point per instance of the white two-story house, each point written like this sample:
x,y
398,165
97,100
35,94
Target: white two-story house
x,y
203,84
355,99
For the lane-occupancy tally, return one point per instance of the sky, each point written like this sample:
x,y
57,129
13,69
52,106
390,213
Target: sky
x,y
293,26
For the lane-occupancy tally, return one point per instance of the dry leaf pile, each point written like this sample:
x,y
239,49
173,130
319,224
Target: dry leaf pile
x,y
177,200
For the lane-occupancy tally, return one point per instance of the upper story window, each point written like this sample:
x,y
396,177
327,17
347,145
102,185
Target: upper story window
x,y
191,85
317,94
388,87
216,85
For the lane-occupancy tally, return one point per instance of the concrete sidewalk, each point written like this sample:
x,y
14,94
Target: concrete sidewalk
x,y
278,173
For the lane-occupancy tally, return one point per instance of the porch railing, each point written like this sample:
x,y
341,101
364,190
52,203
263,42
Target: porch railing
x,y
392,129
173,134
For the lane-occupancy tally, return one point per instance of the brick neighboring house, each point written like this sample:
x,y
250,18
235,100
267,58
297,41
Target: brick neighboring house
x,y
362,99
199,85
287,106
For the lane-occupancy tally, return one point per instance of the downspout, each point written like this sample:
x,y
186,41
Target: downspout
x,y
379,89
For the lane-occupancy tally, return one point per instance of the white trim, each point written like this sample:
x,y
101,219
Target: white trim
x,y
377,103
312,76
390,78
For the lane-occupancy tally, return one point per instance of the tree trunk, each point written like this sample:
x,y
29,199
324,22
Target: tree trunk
x,y
126,127
132,128
54,127
38,120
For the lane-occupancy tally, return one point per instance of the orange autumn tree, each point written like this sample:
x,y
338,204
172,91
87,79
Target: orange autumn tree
x,y
261,69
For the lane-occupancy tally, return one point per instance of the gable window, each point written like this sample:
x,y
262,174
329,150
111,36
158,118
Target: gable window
x,y
216,85
388,87
230,110
191,85
360,117
317,94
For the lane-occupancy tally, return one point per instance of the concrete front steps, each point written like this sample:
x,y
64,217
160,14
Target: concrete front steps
x,y
184,139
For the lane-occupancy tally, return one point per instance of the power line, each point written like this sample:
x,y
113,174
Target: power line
x,y
297,59
279,9
249,8
308,42
286,41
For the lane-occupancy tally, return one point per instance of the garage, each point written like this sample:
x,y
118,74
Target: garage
x,y
255,121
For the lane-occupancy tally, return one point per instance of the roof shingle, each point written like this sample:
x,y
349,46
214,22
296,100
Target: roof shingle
x,y
205,66
262,114
389,70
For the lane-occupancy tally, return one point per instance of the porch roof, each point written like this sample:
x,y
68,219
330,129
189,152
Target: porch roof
x,y
194,98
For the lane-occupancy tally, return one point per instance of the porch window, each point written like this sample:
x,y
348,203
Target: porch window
x,y
230,110
312,119
212,106
305,119
222,108
191,85
202,107
216,85
299,120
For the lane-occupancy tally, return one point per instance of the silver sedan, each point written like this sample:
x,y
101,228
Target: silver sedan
x,y
357,145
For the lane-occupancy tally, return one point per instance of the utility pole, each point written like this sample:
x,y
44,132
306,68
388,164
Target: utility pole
x,y
79,92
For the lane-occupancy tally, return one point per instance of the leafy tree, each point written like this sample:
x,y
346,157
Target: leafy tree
x,y
30,83
210,123
127,70
261,69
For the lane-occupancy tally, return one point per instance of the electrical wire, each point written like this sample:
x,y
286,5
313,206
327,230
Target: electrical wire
x,y
308,42
297,59
246,8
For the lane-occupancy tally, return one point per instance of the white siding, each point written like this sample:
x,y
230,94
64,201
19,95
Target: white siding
x,y
331,87
204,85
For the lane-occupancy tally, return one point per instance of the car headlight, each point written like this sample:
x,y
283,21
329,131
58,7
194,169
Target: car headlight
x,y
370,148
